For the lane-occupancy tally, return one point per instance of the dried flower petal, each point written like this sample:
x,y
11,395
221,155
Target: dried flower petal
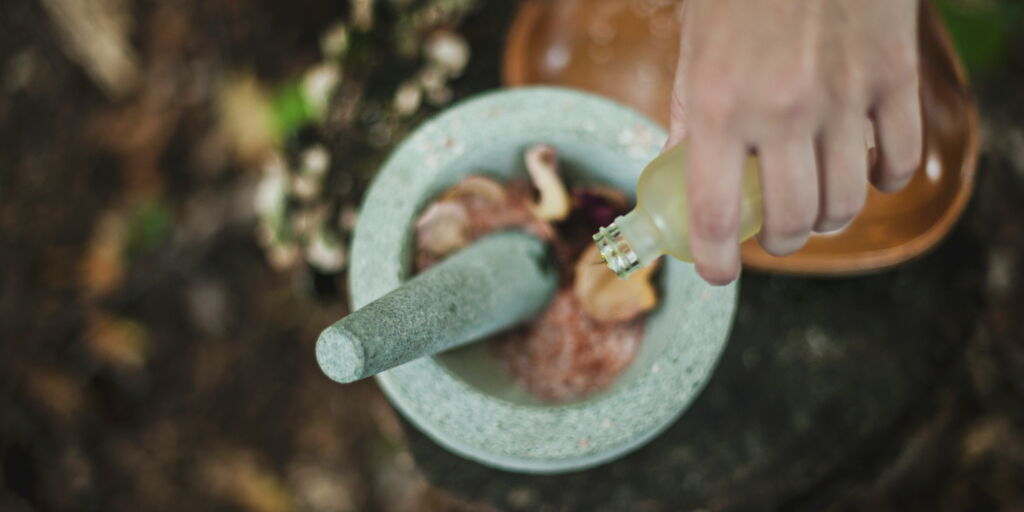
x,y
476,186
542,164
606,298
443,228
600,204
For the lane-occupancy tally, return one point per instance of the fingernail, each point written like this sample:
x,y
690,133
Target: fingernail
x,y
781,246
719,265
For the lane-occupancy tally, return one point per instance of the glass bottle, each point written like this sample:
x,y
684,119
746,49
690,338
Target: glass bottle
x,y
659,223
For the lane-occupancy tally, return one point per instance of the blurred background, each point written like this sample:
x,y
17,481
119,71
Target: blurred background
x,y
178,183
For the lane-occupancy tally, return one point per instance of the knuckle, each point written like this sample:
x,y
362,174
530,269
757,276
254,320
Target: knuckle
x,y
848,95
715,104
714,94
794,103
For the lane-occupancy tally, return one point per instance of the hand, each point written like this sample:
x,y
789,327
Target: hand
x,y
798,83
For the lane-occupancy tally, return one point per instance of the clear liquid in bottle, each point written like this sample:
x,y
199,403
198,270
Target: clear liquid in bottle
x,y
659,224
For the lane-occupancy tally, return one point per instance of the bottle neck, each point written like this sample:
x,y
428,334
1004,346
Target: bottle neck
x,y
629,243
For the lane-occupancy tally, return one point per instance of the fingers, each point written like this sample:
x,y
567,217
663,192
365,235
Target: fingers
x,y
789,191
842,173
898,123
713,192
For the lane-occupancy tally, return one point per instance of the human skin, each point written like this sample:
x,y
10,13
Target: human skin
x,y
798,83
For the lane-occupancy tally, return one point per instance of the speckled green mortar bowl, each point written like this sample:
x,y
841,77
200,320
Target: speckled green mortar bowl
x,y
464,399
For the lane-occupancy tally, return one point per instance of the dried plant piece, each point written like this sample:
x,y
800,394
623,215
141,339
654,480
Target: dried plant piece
x,y
599,204
514,212
542,164
592,330
606,298
443,229
477,187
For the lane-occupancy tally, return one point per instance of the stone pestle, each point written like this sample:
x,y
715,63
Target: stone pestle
x,y
494,283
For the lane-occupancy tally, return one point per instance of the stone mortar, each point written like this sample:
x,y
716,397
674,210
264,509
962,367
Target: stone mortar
x,y
464,399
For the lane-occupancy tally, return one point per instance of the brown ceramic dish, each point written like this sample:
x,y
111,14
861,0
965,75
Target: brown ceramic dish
x,y
626,50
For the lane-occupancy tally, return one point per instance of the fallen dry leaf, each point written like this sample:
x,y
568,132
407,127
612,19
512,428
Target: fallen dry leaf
x,y
606,298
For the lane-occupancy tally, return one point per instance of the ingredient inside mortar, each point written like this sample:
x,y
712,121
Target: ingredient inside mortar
x,y
594,325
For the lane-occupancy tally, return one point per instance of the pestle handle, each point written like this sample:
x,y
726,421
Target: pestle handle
x,y
495,283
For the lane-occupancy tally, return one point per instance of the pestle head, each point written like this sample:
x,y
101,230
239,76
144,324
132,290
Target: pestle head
x,y
340,355
494,283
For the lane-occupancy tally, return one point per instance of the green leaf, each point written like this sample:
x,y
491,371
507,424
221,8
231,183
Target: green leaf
x,y
291,109
982,30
